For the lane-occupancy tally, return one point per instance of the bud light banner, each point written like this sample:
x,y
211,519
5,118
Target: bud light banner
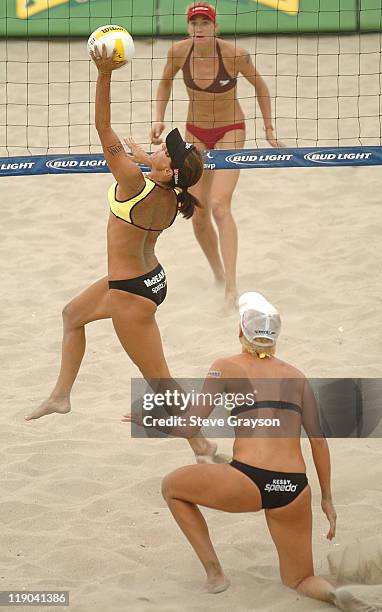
x,y
226,159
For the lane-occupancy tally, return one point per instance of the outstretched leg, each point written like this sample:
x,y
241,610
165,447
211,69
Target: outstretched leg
x,y
214,486
291,531
90,305
134,322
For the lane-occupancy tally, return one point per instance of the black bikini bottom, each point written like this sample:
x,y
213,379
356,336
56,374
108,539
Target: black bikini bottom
x,y
277,489
152,285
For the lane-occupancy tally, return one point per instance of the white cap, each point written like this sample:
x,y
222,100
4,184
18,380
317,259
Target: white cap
x,y
259,319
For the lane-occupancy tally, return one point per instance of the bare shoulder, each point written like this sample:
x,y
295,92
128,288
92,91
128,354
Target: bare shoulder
x,y
180,49
287,370
227,367
217,368
170,195
163,196
243,57
231,49
227,48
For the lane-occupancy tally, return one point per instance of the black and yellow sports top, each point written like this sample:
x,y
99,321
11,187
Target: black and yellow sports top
x,y
123,209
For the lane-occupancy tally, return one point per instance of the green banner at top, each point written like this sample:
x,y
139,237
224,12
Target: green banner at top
x,y
29,18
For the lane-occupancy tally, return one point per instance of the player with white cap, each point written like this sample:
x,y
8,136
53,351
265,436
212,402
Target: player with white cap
x,y
260,324
268,470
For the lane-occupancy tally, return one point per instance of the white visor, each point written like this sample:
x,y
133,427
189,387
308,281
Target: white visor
x,y
259,319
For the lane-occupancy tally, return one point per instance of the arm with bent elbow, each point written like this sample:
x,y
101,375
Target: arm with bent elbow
x,y
245,66
163,96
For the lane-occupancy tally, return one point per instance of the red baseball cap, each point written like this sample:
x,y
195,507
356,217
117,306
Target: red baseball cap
x,y
202,10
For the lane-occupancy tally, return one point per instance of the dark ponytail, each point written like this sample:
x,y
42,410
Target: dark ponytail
x,y
188,175
187,203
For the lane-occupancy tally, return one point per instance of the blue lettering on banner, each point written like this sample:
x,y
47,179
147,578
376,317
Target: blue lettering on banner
x,y
213,160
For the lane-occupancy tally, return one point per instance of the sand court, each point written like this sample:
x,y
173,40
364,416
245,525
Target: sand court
x,y
81,507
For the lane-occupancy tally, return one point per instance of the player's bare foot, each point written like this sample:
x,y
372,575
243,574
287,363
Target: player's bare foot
x,y
213,458
59,405
217,583
209,454
204,450
345,600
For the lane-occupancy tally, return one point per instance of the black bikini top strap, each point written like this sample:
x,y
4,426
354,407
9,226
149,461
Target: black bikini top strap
x,y
267,404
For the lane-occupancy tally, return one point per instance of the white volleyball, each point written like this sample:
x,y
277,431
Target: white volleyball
x,y
113,37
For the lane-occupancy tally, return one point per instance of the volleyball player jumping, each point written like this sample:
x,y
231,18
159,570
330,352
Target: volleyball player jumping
x,y
141,208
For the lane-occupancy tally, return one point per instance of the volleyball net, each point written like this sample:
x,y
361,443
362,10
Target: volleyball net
x,y
325,86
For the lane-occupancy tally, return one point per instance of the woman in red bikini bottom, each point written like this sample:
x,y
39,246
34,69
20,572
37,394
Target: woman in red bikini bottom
x,y
215,119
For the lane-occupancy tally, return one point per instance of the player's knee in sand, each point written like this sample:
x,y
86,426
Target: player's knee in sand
x,y
284,496
166,487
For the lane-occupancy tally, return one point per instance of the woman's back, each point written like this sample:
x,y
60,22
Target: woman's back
x,y
268,411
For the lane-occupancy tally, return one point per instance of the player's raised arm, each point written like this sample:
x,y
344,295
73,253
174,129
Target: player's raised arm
x,y
125,170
